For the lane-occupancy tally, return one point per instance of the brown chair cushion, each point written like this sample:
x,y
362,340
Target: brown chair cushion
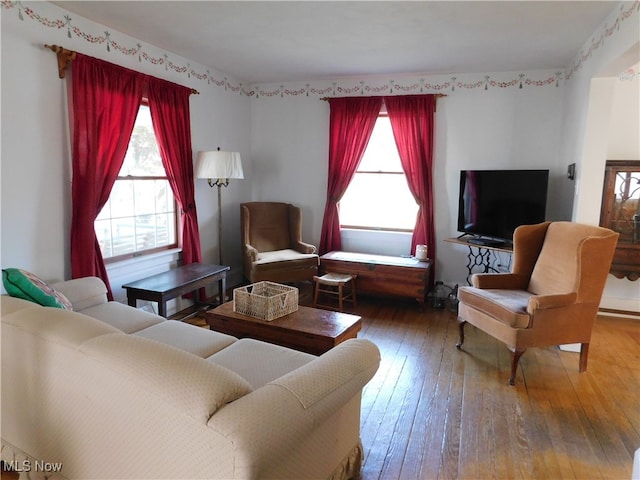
x,y
507,306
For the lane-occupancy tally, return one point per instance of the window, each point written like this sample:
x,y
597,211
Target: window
x,y
378,196
140,215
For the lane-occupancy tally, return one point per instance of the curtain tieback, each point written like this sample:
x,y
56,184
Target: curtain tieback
x,y
189,208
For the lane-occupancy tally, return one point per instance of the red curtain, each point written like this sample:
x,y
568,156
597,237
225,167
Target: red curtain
x,y
169,106
106,99
412,118
351,122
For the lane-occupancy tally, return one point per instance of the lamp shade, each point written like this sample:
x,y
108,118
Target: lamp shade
x,y
218,164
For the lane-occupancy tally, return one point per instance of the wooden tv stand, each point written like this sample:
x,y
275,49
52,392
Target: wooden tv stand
x,y
381,274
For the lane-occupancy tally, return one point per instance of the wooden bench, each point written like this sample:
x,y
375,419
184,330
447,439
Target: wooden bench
x,y
382,275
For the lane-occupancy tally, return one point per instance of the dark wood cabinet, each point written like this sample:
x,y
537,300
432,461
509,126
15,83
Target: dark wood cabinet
x,y
621,213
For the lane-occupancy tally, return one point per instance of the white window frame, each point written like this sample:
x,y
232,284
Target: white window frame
x,y
115,219
382,192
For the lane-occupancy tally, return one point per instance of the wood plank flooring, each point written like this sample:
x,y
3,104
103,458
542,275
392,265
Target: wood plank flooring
x,y
432,411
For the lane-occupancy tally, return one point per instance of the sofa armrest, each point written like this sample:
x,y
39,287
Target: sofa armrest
x,y
303,247
269,422
542,302
251,252
83,292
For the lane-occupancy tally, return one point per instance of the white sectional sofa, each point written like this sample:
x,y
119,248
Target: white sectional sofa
x,y
107,391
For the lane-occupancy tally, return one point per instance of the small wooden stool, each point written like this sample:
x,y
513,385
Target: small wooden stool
x,y
334,283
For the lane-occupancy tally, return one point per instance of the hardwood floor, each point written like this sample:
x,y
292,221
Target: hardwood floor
x,y
432,411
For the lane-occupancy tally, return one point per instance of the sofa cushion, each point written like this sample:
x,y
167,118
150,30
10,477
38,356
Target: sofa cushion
x,y
123,317
28,286
83,292
199,341
259,362
195,387
55,324
10,304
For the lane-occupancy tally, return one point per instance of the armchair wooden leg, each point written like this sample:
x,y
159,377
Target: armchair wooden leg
x,y
584,354
315,294
515,358
461,330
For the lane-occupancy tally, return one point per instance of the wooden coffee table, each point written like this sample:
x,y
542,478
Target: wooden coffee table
x,y
310,330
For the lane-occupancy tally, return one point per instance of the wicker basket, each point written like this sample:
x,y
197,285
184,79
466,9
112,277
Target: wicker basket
x,y
265,300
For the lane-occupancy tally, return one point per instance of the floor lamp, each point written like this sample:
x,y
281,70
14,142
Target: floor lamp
x,y
219,167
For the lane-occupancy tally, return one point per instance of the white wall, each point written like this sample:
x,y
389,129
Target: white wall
x,y
35,154
623,143
502,126
596,104
496,129
289,147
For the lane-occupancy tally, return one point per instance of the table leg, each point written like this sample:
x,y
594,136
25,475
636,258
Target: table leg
x,y
132,301
222,286
162,308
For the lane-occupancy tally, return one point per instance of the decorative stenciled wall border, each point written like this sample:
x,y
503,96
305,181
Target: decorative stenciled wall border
x,y
605,32
408,85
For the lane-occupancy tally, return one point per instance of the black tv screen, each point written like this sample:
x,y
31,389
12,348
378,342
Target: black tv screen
x,y
493,203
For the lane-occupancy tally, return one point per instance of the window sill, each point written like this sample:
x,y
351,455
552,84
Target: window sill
x,y
143,258
381,242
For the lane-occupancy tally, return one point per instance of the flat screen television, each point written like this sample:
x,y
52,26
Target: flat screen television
x,y
492,203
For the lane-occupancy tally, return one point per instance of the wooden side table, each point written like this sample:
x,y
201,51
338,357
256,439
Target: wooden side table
x,y
167,285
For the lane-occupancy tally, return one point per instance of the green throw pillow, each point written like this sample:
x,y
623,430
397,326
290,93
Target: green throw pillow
x,y
26,285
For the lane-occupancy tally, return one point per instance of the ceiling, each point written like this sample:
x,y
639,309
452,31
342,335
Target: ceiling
x,y
265,41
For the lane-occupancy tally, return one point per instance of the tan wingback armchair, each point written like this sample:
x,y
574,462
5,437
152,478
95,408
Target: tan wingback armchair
x,y
551,297
272,246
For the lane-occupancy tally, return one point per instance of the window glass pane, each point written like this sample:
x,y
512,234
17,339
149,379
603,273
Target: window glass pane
x,y
143,156
144,194
167,228
145,232
378,201
103,233
123,236
164,196
381,154
121,198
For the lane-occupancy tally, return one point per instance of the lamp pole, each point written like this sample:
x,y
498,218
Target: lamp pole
x,y
219,182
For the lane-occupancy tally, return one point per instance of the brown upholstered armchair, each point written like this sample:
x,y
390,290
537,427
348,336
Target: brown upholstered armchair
x,y
272,245
551,297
